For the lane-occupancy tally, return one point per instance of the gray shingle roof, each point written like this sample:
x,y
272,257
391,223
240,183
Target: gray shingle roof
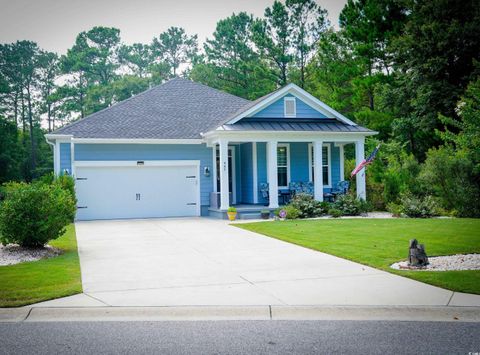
x,y
183,109
177,109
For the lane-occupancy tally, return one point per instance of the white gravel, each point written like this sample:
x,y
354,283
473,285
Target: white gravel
x,y
14,254
445,263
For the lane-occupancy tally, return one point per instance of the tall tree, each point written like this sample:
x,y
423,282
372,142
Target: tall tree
x,y
308,22
436,57
232,64
273,36
175,48
137,58
93,60
48,71
372,25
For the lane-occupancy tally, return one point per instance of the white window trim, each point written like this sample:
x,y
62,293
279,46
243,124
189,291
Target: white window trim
x,y
279,145
293,99
329,160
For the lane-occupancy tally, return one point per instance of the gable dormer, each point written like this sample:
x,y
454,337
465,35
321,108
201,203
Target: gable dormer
x,y
290,102
289,106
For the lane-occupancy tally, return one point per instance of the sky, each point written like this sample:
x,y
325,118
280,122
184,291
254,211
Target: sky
x,y
54,24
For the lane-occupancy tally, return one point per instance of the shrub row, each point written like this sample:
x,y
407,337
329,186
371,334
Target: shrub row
x,y
305,206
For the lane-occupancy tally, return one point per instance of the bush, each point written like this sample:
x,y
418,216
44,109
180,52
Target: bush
x,y
307,206
66,182
33,214
450,175
349,205
417,207
292,212
335,213
395,209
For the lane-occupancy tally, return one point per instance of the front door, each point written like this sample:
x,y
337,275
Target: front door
x,y
231,173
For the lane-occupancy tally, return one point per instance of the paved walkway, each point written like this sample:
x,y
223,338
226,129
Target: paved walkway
x,y
206,262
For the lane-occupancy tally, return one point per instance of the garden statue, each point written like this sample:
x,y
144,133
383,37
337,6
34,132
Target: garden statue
x,y
417,256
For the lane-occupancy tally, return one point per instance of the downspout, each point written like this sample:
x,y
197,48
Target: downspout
x,y
54,154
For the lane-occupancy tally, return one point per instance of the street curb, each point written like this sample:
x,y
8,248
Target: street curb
x,y
219,313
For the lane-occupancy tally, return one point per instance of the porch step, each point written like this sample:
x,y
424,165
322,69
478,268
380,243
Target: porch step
x,y
250,215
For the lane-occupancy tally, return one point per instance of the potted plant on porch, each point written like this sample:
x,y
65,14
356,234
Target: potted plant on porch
x,y
232,213
265,214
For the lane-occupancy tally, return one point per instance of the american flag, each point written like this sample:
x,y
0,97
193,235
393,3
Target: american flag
x,y
365,162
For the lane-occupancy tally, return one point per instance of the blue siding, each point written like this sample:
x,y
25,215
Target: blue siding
x,y
238,172
335,152
246,171
153,152
299,162
65,158
276,110
261,168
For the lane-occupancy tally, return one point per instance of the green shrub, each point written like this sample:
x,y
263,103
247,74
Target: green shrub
x,y
292,212
349,205
417,207
395,209
335,213
66,182
307,206
450,175
232,209
33,214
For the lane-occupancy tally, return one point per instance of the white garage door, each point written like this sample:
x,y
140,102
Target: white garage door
x,y
159,189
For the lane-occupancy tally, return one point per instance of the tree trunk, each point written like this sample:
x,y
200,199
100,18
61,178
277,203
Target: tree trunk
x,y
33,162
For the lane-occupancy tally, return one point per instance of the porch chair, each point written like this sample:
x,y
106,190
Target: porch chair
x,y
295,188
307,188
264,190
341,188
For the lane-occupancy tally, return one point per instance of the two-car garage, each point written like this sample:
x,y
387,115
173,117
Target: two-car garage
x,y
137,189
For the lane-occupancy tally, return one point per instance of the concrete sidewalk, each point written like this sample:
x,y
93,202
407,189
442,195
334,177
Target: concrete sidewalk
x,y
206,262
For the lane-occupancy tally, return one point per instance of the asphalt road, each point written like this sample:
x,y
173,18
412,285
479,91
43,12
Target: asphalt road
x,y
240,337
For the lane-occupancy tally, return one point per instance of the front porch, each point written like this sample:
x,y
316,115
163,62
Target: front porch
x,y
259,174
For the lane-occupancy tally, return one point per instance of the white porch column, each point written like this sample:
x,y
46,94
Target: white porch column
x,y
318,170
360,177
224,193
214,167
342,161
272,173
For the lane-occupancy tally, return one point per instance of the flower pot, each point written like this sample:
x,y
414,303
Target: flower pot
x,y
232,215
265,215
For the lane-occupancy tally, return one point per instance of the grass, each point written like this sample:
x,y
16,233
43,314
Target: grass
x,y
381,242
42,280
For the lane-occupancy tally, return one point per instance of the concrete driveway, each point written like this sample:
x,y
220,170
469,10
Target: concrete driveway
x,y
200,261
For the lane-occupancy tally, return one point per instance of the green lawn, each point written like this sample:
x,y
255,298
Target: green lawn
x,y
45,279
381,242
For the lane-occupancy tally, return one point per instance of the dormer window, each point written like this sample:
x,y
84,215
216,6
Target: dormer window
x,y
290,107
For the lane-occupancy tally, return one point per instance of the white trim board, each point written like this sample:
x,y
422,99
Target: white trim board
x,y
146,163
255,172
286,145
329,159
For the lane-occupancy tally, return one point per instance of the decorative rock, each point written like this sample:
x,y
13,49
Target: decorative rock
x,y
417,257
14,254
445,263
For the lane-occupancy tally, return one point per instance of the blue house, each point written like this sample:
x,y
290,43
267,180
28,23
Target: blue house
x,y
185,149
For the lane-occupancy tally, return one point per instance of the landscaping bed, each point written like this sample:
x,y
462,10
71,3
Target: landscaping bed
x,y
381,242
